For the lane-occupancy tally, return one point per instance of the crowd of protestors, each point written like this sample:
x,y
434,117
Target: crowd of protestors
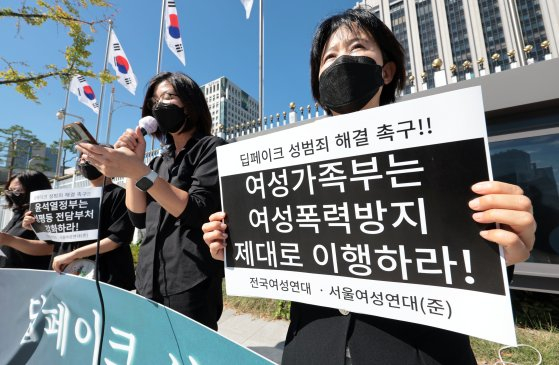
x,y
24,250
356,63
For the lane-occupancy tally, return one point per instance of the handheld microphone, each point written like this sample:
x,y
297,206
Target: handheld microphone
x,y
148,125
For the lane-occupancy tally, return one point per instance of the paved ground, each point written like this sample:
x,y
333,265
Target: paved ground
x,y
262,336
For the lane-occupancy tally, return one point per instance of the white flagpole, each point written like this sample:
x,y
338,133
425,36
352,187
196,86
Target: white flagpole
x,y
59,156
160,49
110,117
261,64
103,84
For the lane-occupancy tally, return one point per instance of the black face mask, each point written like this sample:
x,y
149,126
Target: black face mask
x,y
170,117
89,172
349,83
19,200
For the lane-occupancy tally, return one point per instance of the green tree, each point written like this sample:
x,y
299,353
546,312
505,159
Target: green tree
x,y
15,142
67,14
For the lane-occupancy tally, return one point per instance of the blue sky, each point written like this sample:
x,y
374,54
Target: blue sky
x,y
218,41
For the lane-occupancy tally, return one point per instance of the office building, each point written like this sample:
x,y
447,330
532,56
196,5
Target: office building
x,y
230,106
23,154
470,38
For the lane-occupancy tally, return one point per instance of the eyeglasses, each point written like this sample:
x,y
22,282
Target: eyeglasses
x,y
16,191
165,97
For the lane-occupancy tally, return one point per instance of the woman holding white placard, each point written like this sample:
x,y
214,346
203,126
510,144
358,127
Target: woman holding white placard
x,y
357,64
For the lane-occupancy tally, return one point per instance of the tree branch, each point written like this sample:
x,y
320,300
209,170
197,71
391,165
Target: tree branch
x,y
10,13
34,78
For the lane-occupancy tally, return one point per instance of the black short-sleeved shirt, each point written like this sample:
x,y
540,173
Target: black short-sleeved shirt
x,y
18,259
116,267
173,256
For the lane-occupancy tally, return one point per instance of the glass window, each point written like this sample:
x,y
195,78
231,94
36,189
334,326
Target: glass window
x,y
427,37
530,161
458,35
398,20
533,29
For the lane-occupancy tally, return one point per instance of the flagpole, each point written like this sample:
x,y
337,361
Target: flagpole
x,y
59,156
102,83
160,47
109,119
261,65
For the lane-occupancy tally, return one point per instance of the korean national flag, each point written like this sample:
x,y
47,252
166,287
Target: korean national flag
x,y
81,88
172,31
122,67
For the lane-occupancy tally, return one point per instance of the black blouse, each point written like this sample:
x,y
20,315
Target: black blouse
x,y
173,256
319,335
116,267
17,259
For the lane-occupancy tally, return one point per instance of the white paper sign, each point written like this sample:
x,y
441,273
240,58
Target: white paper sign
x,y
368,212
66,215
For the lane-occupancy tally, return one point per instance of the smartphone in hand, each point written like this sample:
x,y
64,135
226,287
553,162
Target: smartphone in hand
x,y
78,133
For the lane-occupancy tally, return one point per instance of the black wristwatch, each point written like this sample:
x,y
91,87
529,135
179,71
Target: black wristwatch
x,y
147,181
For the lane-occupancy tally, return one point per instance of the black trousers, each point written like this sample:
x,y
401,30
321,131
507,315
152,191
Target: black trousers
x,y
202,303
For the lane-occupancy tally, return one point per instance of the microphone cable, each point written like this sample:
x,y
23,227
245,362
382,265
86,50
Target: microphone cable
x,y
97,274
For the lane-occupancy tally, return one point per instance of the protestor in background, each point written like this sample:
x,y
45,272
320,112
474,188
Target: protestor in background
x,y
356,64
17,192
116,266
172,197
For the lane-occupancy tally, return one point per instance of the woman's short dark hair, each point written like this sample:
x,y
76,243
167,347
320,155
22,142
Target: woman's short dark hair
x,y
190,95
360,19
30,181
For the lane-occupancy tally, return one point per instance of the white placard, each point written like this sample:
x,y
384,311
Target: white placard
x,y
368,212
66,215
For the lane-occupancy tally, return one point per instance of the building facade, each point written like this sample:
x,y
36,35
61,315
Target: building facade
x,y
522,117
230,106
23,155
471,37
